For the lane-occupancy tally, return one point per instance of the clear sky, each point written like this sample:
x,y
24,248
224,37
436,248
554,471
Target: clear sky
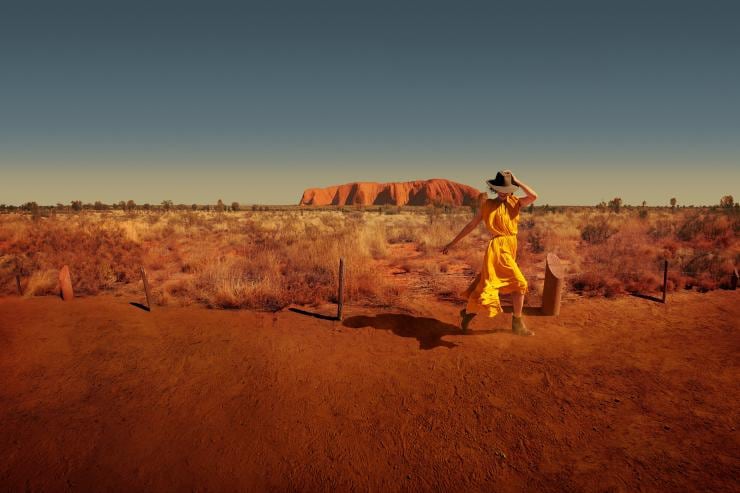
x,y
255,101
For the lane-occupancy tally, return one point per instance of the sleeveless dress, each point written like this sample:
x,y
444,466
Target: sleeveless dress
x,y
500,274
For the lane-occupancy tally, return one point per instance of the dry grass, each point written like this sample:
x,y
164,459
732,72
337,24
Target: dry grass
x,y
269,259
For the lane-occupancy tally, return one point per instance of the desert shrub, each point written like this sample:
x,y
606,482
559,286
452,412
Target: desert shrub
x,y
597,232
42,282
716,266
708,230
693,225
536,241
400,234
595,284
641,282
661,229
373,240
98,256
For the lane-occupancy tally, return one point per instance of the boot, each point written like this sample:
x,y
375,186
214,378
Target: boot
x,y
518,327
466,318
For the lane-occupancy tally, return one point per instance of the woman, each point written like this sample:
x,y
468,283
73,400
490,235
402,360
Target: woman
x,y
500,273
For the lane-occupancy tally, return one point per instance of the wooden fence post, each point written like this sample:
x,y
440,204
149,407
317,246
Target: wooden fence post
x,y
340,294
553,289
18,284
146,289
665,279
65,284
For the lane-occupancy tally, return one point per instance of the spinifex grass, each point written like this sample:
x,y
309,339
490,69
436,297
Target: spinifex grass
x,y
269,259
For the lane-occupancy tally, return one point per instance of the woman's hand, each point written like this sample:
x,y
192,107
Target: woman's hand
x,y
531,194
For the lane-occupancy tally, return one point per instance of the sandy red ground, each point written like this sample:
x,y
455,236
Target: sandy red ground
x,y
625,395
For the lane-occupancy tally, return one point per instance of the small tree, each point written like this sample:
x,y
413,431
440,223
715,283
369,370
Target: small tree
x,y
166,205
99,206
76,205
130,205
644,203
220,206
673,202
235,206
33,208
727,201
194,207
615,204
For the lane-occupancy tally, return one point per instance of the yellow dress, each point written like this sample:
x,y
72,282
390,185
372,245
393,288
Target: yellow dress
x,y
500,273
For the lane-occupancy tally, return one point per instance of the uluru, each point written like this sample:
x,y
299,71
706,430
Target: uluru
x,y
421,192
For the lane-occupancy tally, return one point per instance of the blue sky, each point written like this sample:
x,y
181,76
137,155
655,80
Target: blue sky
x,y
255,101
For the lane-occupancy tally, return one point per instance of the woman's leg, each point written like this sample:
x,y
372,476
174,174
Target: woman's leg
x,y
517,300
517,323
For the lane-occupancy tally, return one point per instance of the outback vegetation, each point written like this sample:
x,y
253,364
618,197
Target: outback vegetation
x,y
269,257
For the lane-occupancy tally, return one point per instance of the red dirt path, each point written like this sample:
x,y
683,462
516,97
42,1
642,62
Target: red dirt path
x,y
624,395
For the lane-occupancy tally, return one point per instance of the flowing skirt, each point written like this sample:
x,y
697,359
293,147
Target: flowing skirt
x,y
500,275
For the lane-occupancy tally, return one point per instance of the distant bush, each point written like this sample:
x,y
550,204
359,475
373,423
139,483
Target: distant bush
x,y
598,232
727,201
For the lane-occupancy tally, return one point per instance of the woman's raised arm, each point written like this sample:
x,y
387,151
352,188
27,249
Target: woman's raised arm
x,y
467,229
531,194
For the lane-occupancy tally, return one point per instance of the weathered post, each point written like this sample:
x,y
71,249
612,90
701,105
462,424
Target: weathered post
x,y
146,289
553,289
665,279
340,294
18,283
65,284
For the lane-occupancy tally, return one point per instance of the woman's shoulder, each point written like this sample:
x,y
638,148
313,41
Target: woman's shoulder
x,y
488,204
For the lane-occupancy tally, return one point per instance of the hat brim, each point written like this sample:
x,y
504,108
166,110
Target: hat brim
x,y
509,189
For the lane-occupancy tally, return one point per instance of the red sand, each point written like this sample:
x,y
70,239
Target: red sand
x,y
624,395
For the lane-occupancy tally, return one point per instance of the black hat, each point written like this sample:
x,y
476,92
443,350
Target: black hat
x,y
502,183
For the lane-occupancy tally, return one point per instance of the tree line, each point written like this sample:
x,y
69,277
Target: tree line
x,y
35,209
123,205
616,204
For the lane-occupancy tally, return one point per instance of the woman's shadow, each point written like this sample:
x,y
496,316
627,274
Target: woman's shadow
x,y
428,331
